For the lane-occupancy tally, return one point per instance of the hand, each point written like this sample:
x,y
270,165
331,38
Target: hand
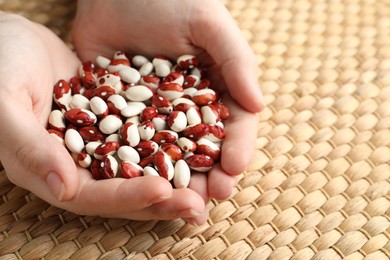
x,y
32,59
172,28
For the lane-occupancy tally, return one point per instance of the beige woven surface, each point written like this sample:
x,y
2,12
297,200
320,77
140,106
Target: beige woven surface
x,y
318,185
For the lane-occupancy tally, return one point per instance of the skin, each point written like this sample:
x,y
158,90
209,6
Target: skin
x,y
172,28
30,155
145,27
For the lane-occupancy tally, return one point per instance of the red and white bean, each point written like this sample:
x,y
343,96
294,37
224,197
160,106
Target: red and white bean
x,y
144,117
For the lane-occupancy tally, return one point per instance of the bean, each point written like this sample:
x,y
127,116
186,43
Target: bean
x,y
147,117
110,124
73,141
182,174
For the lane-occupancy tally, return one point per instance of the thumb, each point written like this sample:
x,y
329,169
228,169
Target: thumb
x,y
29,148
231,52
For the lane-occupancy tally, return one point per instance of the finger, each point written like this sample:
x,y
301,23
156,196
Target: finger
x,y
23,140
198,220
120,196
220,184
239,144
223,40
184,203
199,184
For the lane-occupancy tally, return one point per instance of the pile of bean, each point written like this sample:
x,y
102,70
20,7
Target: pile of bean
x,y
133,116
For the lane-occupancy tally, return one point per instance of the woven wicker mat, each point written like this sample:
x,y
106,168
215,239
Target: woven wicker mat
x,y
318,185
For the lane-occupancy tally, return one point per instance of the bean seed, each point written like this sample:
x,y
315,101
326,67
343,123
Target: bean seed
x,y
182,174
110,124
147,117
73,141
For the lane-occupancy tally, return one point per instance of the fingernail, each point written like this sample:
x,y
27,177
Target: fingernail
x,y
56,185
190,213
192,222
160,199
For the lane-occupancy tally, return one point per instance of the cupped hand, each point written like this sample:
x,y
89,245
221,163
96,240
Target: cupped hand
x,y
32,59
172,28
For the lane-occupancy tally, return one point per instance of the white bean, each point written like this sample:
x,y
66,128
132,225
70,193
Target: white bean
x,y
182,175
74,141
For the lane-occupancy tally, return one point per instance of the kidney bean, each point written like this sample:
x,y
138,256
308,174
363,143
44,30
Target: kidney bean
x,y
62,94
129,134
119,62
204,97
177,121
57,121
128,153
99,107
200,162
79,101
173,123
193,116
170,90
186,144
104,92
75,85
182,174
102,61
95,169
210,114
183,104
146,148
146,161
106,148
139,60
109,79
80,117
204,84
160,122
148,113
162,104
130,75
91,147
146,69
110,124
116,103
150,81
130,170
131,110
172,150
174,77
206,147
84,160
108,167
86,73
215,134
149,171
146,130
195,132
187,61
223,111
113,138
91,134
73,141
164,165
165,136
191,81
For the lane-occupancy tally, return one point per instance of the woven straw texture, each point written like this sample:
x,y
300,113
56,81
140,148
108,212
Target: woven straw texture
x,y
318,185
